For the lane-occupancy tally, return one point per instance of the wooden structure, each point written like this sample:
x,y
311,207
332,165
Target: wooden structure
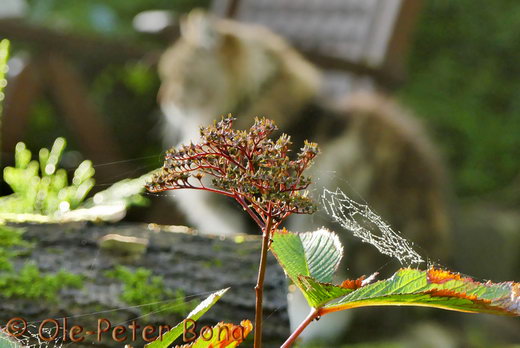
x,y
356,42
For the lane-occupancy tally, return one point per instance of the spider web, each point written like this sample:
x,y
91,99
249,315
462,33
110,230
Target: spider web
x,y
361,220
31,338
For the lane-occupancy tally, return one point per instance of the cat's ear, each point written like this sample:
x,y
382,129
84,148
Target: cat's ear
x,y
198,28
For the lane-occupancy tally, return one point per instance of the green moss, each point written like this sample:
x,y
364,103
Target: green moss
x,y
12,237
28,282
11,245
216,247
140,288
215,263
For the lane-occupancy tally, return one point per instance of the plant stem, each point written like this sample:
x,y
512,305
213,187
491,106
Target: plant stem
x,y
312,315
251,213
259,288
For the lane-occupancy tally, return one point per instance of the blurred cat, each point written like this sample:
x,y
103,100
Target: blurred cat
x,y
371,148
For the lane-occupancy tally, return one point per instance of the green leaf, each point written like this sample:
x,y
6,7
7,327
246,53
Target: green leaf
x,y
310,260
318,293
176,331
434,288
313,254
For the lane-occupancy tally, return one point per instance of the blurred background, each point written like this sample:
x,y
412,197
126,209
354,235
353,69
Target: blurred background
x,y
87,70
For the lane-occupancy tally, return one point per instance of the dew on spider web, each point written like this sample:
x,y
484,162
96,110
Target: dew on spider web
x,y
6,341
368,226
33,337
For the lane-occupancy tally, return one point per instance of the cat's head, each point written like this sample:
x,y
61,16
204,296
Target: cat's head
x,y
219,66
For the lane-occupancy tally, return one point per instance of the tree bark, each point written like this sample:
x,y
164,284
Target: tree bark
x,y
194,263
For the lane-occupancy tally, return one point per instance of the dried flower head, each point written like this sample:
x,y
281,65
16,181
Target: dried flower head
x,y
246,165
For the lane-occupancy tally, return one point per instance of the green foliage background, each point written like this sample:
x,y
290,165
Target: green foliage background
x,y
113,18
125,94
143,289
464,79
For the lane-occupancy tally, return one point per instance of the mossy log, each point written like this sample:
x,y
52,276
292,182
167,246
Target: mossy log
x,y
194,263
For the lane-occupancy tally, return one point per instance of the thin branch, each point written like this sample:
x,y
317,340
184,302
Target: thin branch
x,y
251,213
259,288
194,157
189,186
201,166
312,315
299,188
226,155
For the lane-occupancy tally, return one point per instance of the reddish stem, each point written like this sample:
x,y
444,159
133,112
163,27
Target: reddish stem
x,y
251,213
290,341
167,188
259,288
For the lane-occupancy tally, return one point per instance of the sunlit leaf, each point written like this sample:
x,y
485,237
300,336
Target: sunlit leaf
x,y
310,268
310,260
434,288
318,293
222,335
194,315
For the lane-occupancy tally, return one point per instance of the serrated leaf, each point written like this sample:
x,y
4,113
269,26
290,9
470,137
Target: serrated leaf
x,y
434,288
315,255
307,262
318,293
195,314
223,335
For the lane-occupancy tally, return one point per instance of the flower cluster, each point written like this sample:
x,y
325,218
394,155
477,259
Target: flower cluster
x,y
246,165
